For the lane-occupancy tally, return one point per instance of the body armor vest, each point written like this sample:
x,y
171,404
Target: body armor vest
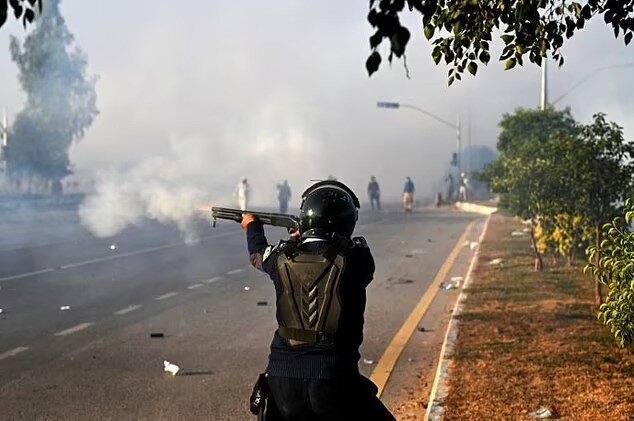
x,y
309,306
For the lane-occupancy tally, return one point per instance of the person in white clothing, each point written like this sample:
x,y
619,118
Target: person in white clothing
x,y
242,193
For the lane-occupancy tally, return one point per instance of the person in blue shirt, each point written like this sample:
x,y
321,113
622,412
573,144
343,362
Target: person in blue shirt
x,y
408,194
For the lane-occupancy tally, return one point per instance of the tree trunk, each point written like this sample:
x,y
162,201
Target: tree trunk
x,y
598,291
539,263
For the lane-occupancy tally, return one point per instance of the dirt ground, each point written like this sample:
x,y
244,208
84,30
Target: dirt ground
x,y
529,340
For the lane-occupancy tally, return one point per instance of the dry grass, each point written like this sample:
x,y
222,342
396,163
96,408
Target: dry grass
x,y
527,340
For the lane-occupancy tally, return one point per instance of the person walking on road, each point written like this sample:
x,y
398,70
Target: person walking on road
x,y
320,276
283,195
242,192
408,194
374,193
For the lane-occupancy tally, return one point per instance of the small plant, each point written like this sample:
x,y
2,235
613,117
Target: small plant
x,y
612,264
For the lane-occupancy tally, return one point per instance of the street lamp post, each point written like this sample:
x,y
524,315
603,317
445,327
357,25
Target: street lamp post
x,y
456,126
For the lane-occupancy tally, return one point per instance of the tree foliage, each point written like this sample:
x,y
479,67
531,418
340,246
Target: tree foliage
x,y
20,9
61,99
612,264
461,31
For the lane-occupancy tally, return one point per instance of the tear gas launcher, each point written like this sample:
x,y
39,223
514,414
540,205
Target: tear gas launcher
x,y
290,222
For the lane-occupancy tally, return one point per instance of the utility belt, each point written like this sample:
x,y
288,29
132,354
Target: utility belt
x,y
313,337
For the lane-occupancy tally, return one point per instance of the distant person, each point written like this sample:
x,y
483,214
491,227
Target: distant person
x,y
57,190
243,190
408,194
283,195
438,201
374,193
450,187
464,186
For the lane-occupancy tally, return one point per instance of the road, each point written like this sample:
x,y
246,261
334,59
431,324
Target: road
x,y
96,359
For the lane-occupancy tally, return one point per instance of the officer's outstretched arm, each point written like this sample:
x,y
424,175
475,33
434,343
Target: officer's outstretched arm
x,y
257,243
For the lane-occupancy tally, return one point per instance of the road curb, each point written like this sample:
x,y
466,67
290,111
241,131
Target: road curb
x,y
475,208
439,391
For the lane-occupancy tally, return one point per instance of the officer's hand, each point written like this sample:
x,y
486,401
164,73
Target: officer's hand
x,y
247,218
295,234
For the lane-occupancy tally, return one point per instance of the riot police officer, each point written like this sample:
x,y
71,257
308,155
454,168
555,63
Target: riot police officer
x,y
320,277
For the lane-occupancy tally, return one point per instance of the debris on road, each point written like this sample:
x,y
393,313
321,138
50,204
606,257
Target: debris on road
x,y
369,362
473,245
409,255
263,303
497,261
421,329
396,281
113,246
518,234
456,278
247,288
454,284
173,369
546,412
157,335
64,308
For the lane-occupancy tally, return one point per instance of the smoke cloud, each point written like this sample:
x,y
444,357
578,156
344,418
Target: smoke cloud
x,y
171,189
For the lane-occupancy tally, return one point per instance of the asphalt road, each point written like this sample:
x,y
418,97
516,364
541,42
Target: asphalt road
x,y
96,360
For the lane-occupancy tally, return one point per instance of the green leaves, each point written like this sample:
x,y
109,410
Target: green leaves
x,y
373,62
529,29
25,9
618,273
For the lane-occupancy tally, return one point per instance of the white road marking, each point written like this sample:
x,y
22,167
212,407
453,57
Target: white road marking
x,y
235,271
74,329
194,286
166,296
26,275
113,257
13,352
212,280
128,309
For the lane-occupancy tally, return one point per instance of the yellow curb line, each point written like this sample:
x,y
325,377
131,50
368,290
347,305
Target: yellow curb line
x,y
388,360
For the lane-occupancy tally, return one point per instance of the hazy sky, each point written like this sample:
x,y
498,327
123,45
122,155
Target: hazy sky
x,y
278,89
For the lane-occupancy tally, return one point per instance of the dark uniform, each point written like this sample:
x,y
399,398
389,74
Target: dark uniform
x,y
320,282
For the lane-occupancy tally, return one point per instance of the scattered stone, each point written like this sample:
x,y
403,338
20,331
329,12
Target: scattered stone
x,y
247,288
157,335
113,246
64,308
545,412
263,303
173,369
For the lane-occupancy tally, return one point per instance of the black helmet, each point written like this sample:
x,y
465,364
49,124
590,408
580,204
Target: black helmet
x,y
328,207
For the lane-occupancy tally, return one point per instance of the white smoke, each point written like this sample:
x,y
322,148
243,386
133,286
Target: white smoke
x,y
170,189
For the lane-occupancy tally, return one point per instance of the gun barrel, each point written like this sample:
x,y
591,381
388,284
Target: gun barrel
x,y
290,222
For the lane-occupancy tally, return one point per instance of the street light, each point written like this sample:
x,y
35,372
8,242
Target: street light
x,y
397,105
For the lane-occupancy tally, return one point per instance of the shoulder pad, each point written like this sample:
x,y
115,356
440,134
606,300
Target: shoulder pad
x,y
359,242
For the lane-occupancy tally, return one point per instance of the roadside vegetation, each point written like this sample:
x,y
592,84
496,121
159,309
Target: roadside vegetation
x,y
530,340
567,180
